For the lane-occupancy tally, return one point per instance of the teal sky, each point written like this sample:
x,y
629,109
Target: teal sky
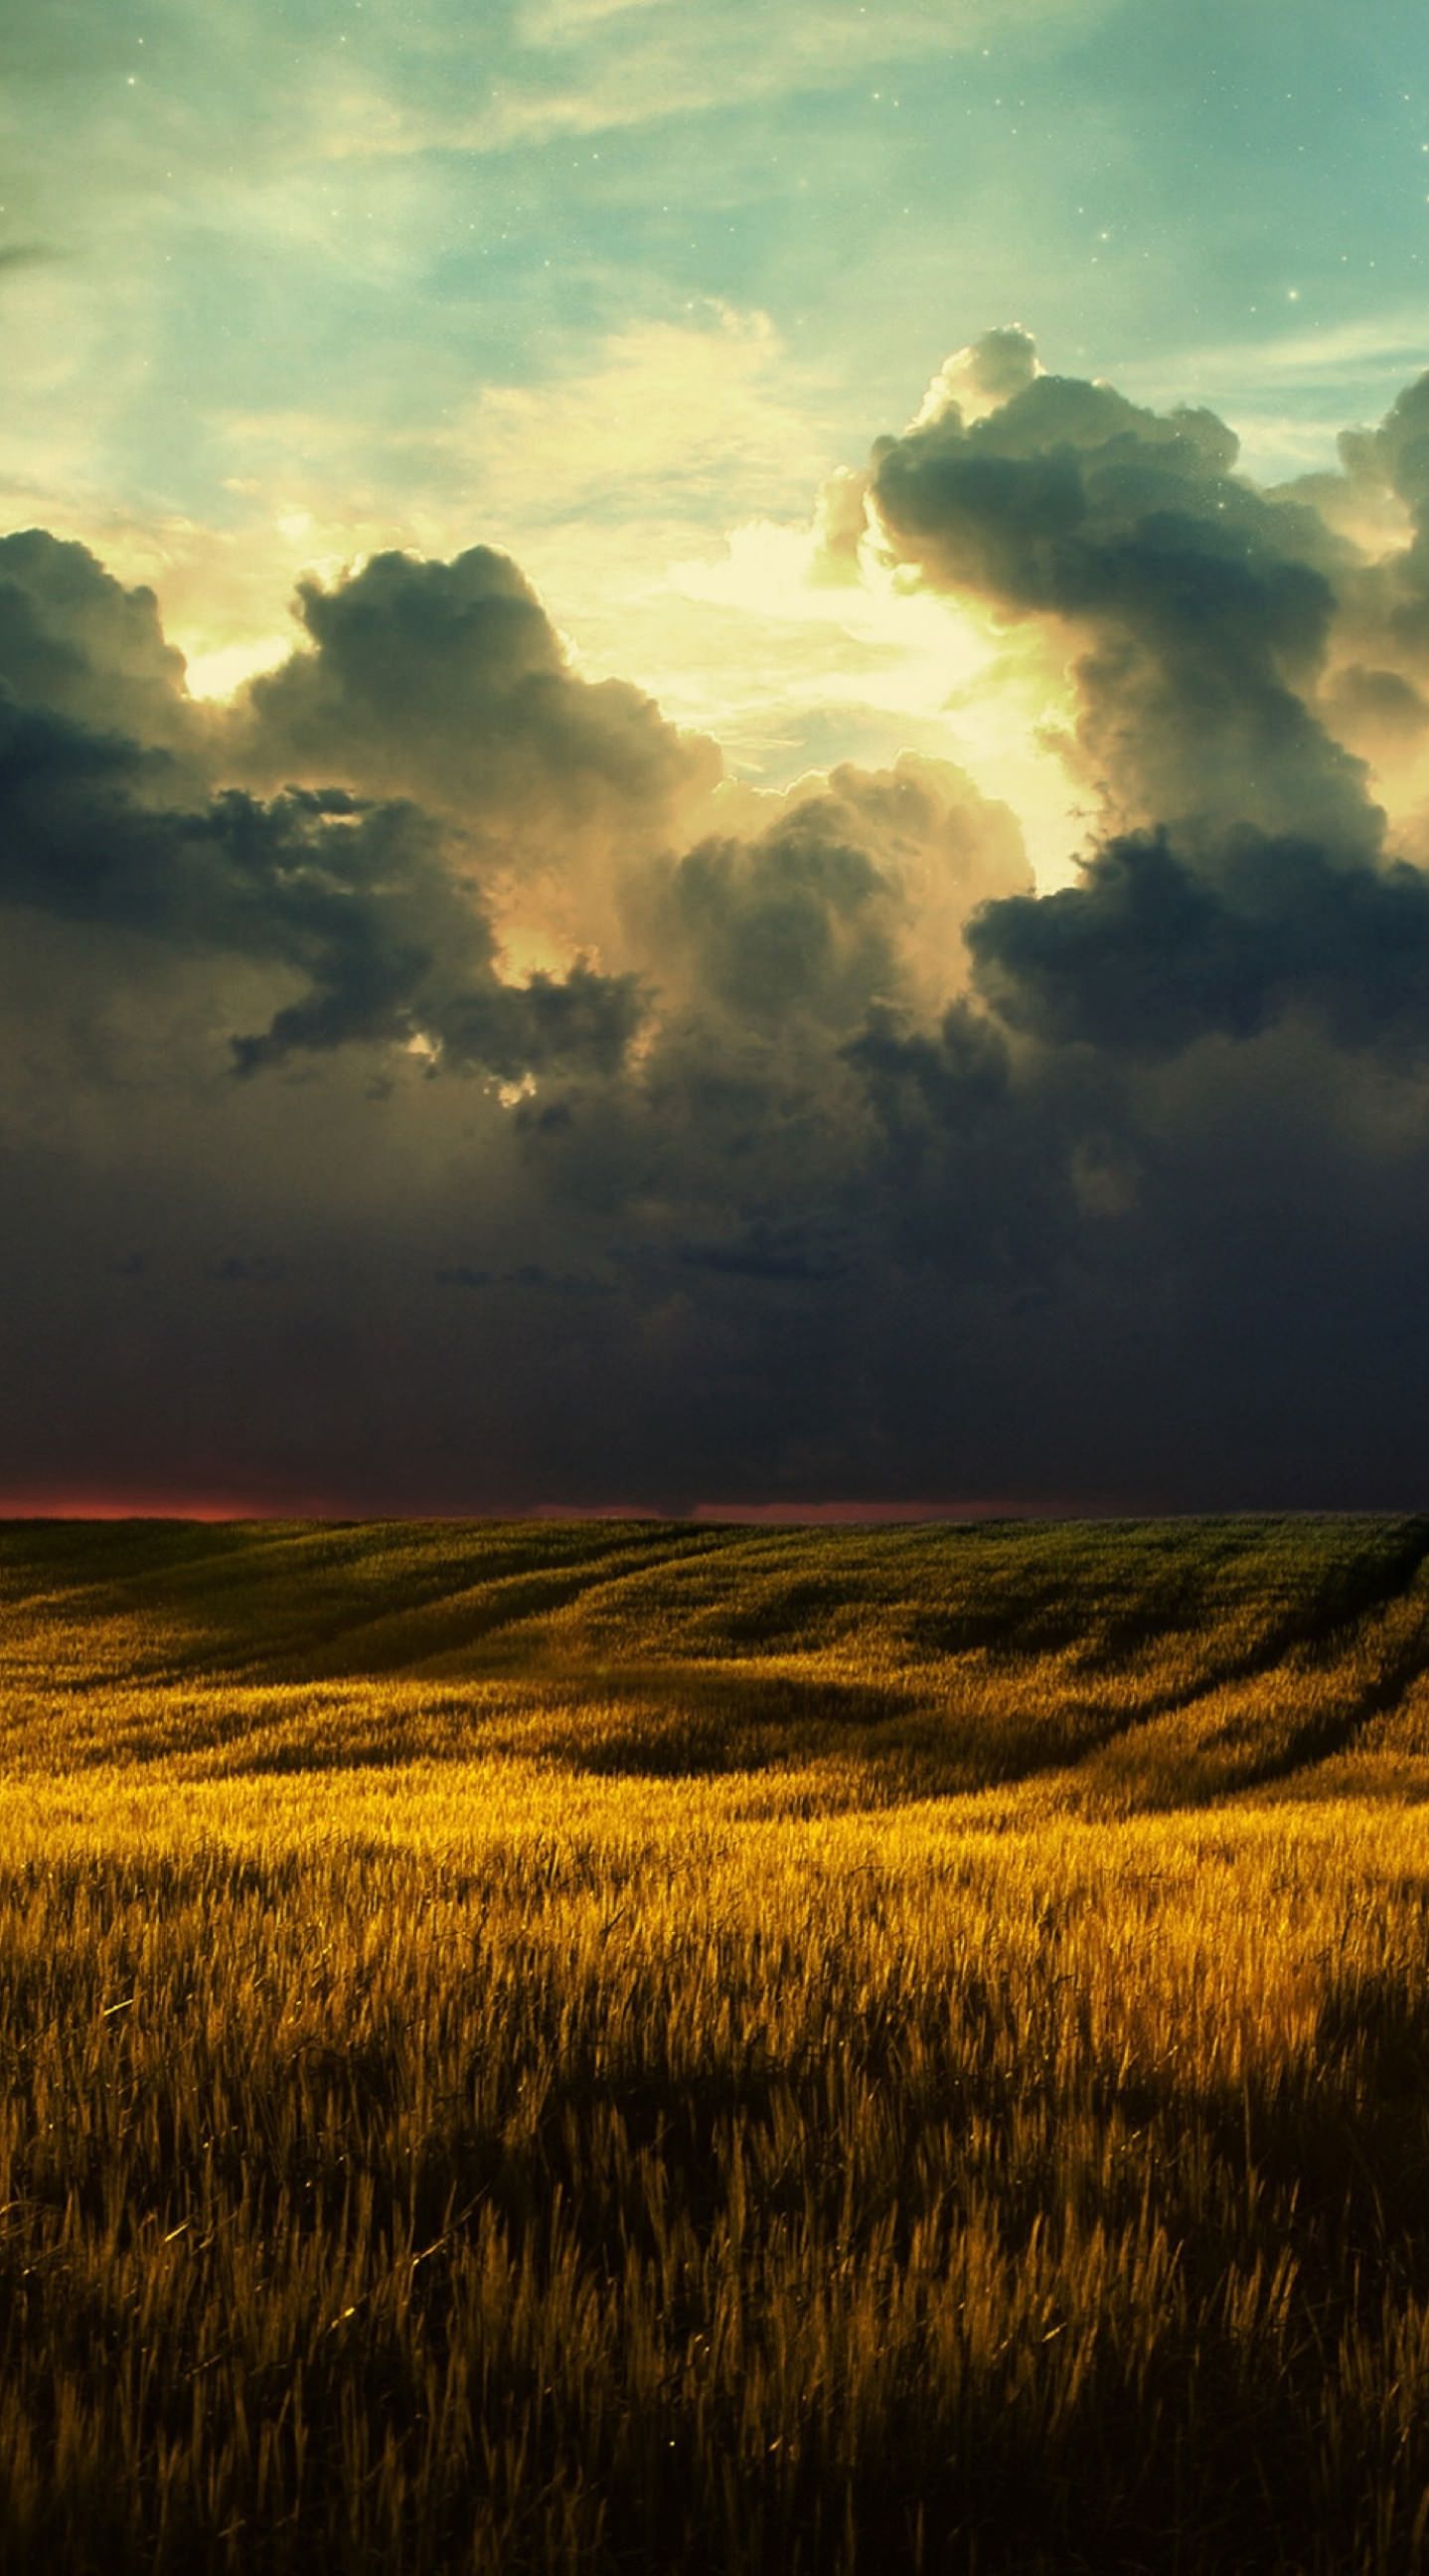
x,y
601,280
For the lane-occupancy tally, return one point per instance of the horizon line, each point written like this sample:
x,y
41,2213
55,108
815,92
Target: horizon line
x,y
843,1513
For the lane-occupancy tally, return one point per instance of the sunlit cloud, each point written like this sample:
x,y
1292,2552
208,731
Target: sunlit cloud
x,y
936,675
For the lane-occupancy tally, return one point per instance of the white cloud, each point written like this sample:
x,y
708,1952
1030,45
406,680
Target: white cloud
x,y
1288,394
1397,340
643,61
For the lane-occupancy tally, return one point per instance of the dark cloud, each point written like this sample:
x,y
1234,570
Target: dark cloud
x,y
764,1252
359,906
833,1159
447,683
525,1277
1397,452
1374,709
1387,603
355,902
1002,363
1152,951
792,924
1200,609
73,640
248,1269
839,902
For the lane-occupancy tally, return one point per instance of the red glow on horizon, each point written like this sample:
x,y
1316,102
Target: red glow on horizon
x,y
303,1507
162,1507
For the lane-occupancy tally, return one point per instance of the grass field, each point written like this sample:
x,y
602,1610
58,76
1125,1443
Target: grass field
x,y
629,2047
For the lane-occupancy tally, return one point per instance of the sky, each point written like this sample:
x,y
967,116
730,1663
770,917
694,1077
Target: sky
x,y
714,755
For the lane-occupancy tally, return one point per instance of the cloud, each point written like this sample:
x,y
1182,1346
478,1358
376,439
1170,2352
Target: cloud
x,y
980,378
1326,354
1374,711
75,640
761,1252
248,1269
1198,609
826,1157
447,682
585,67
775,937
666,423
358,904
1153,950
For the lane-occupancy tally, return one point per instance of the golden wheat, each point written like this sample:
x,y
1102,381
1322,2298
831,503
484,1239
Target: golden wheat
x,y
640,2049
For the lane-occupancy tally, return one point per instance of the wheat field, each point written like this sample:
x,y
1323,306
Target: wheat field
x,y
641,2047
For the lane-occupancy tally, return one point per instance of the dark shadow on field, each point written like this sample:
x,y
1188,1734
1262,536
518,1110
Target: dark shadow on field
x,y
1321,1693
667,1726
58,1556
688,1721
964,1724
294,1601
1347,1587
1150,1664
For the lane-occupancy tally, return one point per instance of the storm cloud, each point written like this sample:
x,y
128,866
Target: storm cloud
x,y
361,904
1154,949
75,641
446,682
1198,609
822,1155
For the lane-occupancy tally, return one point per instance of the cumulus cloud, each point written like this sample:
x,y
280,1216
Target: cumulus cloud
x,y
75,640
1152,949
855,891
833,1158
1375,712
356,903
446,682
1198,610
980,378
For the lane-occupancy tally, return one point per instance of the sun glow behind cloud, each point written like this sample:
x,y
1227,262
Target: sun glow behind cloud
x,y
218,671
941,676
610,486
